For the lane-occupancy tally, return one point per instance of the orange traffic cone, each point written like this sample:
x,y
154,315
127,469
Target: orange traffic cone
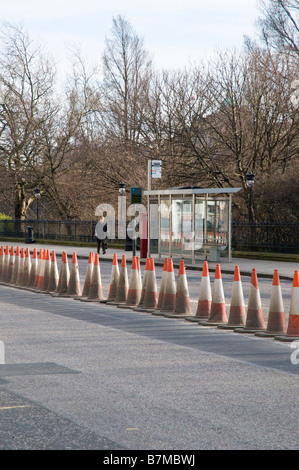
x,y
237,312
27,268
1,260
46,272
169,297
122,286
205,297
16,266
134,291
39,268
64,276
10,265
139,274
143,287
33,269
182,304
113,280
276,324
87,281
162,285
96,290
54,274
41,271
218,310
292,332
254,319
19,281
74,287
5,264
150,300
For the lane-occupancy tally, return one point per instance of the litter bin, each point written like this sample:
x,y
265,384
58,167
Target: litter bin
x,y
29,238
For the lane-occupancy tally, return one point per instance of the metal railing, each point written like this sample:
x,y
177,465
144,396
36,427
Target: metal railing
x,y
264,236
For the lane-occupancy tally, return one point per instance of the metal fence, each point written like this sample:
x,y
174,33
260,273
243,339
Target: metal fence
x,y
75,230
265,236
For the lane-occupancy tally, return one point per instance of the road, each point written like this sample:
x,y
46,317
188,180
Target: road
x,y
93,376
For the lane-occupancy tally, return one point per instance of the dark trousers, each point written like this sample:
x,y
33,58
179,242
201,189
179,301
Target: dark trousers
x,y
103,243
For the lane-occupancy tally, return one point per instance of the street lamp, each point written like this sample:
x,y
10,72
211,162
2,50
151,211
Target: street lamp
x,y
122,233
122,189
37,196
250,182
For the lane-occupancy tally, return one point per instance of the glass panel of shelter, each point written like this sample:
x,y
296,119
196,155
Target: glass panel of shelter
x,y
184,233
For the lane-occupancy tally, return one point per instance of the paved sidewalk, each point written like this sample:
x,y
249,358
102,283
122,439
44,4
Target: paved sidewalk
x,y
264,268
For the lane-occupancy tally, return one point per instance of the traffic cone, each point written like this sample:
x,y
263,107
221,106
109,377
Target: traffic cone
x,y
54,274
39,268
134,290
74,287
87,281
5,264
237,312
292,332
19,281
218,310
40,279
27,268
162,285
47,271
113,280
205,297
139,275
150,300
143,287
16,266
64,276
182,304
276,324
169,297
96,290
10,265
1,260
33,270
123,284
254,318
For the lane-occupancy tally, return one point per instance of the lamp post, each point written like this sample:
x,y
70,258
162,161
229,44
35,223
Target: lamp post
x,y
122,233
37,196
122,189
250,182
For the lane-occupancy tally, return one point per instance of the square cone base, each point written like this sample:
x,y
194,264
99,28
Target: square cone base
x,y
286,338
246,330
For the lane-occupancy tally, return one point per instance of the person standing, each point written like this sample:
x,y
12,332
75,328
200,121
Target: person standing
x,y
101,234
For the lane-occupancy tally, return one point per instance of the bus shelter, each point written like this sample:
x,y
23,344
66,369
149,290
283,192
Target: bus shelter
x,y
190,223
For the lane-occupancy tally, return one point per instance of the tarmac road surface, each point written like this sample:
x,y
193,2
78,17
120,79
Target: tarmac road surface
x,y
82,375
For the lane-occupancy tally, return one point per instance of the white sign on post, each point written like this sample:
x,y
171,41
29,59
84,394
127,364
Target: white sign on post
x,y
156,168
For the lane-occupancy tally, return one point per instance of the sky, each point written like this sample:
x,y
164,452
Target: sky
x,y
175,32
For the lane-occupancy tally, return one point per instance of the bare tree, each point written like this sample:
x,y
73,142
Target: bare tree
x,y
126,76
26,83
279,24
63,168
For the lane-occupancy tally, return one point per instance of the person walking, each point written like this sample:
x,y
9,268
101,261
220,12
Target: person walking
x,y
101,234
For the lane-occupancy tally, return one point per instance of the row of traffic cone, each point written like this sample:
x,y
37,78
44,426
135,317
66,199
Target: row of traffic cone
x,y
173,300
39,273
211,310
